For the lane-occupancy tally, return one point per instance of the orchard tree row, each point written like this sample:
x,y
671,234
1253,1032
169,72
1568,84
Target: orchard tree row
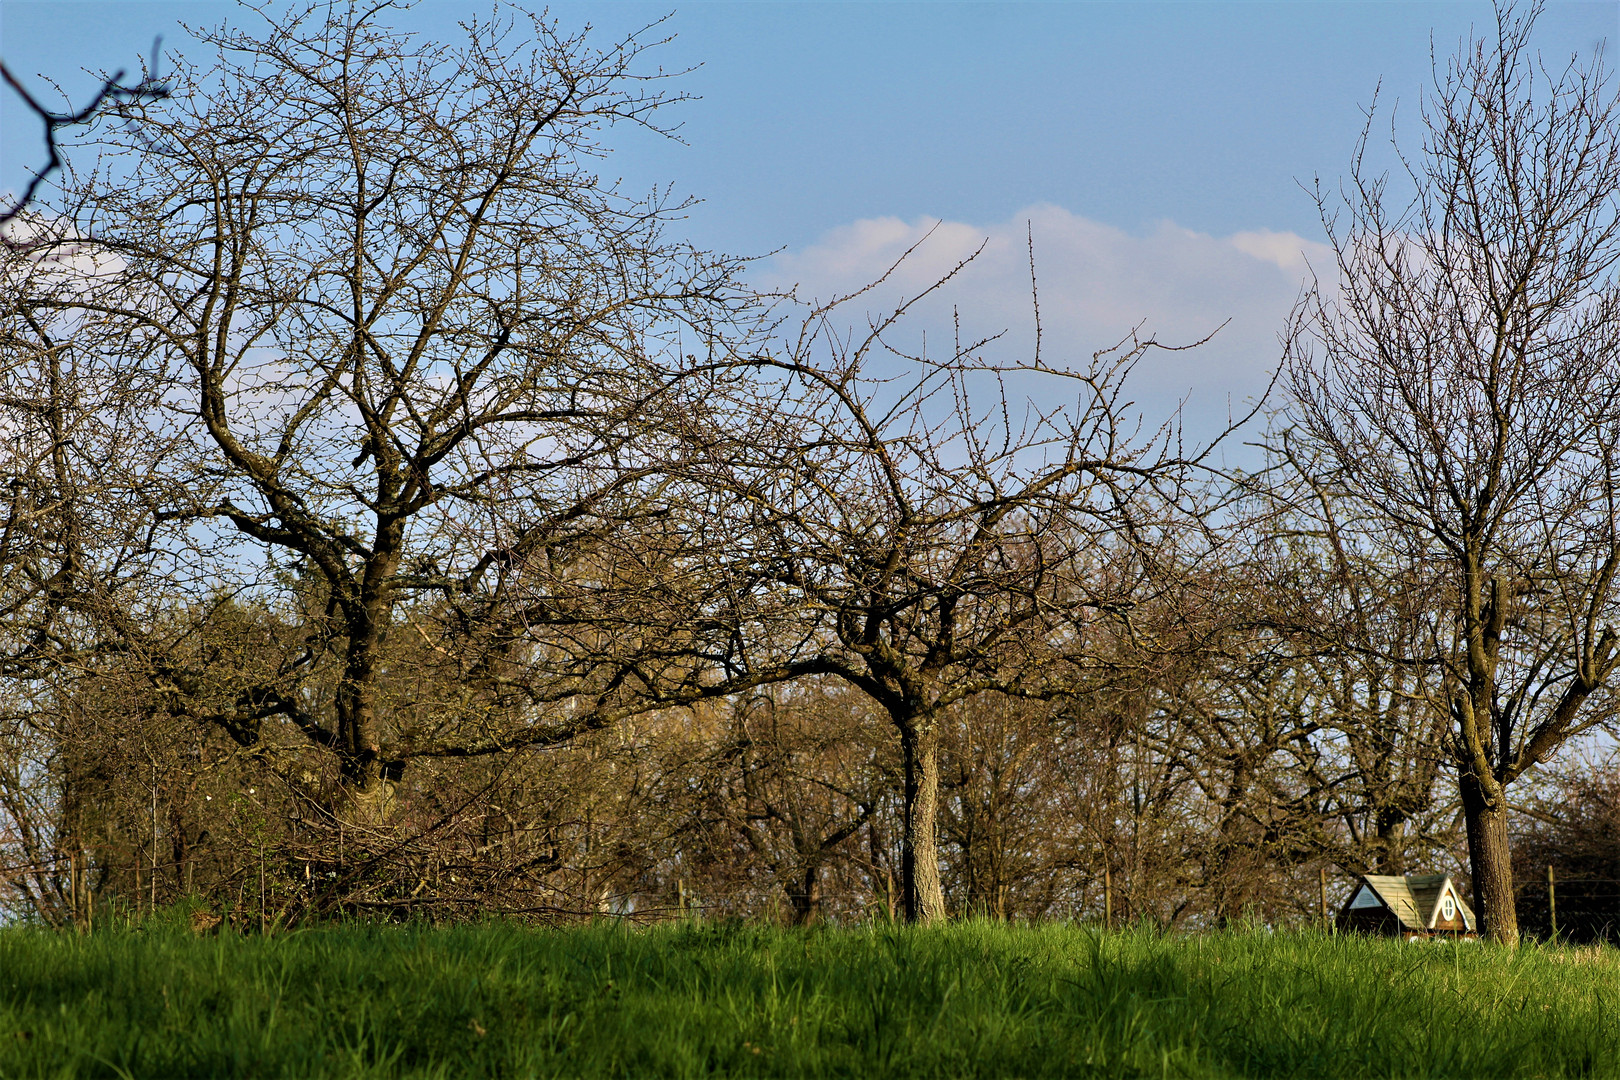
x,y
398,518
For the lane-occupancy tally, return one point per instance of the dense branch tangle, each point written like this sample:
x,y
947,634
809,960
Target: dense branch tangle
x,y
907,525
479,461
408,339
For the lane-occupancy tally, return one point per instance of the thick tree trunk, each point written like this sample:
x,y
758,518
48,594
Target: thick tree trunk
x,y
804,895
923,899
1491,861
358,746
1389,855
366,793
359,737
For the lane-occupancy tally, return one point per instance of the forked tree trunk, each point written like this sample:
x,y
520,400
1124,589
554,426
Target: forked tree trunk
x,y
923,899
1491,859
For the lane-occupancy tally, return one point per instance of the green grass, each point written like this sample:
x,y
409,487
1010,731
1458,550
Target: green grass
x,y
970,999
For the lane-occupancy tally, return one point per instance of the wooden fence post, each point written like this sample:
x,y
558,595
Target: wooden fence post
x,y
1552,902
1321,892
1108,898
154,840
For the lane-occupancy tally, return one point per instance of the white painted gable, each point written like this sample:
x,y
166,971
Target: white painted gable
x,y
1448,905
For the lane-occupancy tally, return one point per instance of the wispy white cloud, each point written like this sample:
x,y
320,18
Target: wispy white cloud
x,y
1096,284
1290,252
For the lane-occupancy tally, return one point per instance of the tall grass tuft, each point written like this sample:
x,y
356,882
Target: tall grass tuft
x,y
700,999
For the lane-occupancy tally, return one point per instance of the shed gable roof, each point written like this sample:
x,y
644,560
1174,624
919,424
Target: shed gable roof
x,y
1397,897
1415,900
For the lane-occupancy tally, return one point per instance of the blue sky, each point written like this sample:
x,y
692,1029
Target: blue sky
x,y
1155,149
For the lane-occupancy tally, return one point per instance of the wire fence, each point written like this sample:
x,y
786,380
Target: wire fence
x,y
1579,908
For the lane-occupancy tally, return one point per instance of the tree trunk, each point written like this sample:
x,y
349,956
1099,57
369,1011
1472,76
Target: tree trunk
x,y
804,895
1491,861
365,616
366,794
923,899
1389,854
358,749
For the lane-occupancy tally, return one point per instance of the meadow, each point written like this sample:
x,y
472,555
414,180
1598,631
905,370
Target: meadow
x,y
719,999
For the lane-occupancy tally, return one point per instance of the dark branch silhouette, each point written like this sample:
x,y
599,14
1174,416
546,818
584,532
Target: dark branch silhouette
x,y
113,89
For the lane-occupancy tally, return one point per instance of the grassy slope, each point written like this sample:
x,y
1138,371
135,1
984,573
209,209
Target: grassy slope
x,y
702,1000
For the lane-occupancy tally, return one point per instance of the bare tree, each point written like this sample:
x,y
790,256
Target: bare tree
x,y
1572,828
1461,378
1359,626
776,799
1303,718
906,524
407,339
75,559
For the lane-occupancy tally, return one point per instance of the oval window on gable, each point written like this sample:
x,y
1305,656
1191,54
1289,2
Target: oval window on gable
x,y
1448,907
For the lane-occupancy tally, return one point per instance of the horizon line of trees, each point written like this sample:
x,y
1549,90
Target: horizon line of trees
x,y
399,520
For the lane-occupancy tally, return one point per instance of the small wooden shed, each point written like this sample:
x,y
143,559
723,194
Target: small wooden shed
x,y
1420,906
